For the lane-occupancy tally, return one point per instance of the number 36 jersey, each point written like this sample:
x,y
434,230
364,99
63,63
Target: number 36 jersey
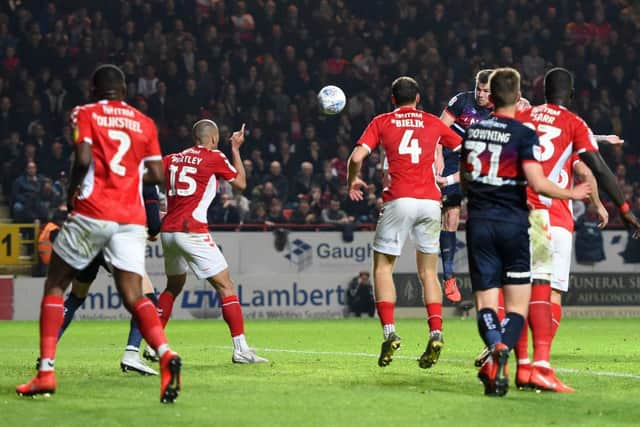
x,y
409,138
122,139
562,135
493,153
192,178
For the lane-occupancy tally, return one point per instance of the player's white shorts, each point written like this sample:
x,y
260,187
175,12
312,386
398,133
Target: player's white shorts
x,y
81,238
541,246
421,217
194,250
562,240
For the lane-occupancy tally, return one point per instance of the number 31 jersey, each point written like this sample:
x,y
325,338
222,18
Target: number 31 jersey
x,y
409,138
192,178
493,153
122,139
562,135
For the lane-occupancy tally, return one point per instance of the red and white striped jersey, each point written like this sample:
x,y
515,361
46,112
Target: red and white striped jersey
x,y
122,139
192,178
409,138
561,211
562,134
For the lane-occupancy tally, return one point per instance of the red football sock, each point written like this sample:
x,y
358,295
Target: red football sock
x,y
500,311
165,307
556,316
51,318
434,316
385,312
540,321
522,346
232,314
149,323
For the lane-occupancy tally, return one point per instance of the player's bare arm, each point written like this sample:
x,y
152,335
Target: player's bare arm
x,y
154,174
448,120
541,185
237,139
607,181
82,161
354,182
583,172
609,139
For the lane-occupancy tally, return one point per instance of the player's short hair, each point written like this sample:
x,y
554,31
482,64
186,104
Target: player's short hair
x,y
504,85
482,76
558,83
404,90
203,128
108,78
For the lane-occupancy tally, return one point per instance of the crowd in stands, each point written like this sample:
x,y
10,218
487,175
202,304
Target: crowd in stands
x,y
261,62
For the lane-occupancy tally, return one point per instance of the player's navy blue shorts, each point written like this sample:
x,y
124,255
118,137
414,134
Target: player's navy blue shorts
x,y
451,194
498,253
88,275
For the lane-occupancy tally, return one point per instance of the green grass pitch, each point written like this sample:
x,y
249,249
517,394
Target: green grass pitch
x,y
322,373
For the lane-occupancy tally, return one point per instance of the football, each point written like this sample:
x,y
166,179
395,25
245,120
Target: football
x,y
331,100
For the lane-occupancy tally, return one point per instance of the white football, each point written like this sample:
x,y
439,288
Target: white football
x,y
331,100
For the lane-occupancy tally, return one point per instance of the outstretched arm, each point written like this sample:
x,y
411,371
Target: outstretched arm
x,y
607,181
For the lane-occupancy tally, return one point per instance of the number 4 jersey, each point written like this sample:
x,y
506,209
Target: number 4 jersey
x,y
409,138
493,153
562,135
122,139
192,177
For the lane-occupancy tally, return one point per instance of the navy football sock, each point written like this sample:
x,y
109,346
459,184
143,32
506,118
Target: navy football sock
x,y
70,306
489,327
135,336
448,252
511,328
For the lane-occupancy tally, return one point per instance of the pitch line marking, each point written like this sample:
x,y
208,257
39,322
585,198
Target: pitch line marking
x,y
370,355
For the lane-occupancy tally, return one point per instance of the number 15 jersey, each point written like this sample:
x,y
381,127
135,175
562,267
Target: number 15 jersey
x,y
192,178
409,138
122,139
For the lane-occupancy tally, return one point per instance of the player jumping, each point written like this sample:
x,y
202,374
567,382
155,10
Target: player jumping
x,y
192,178
113,143
463,110
500,155
412,205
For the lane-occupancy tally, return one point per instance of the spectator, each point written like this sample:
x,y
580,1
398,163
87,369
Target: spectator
x,y
275,215
304,180
224,211
303,213
148,84
334,215
279,181
56,161
359,296
25,194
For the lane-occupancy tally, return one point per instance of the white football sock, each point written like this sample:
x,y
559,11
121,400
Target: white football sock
x,y
240,343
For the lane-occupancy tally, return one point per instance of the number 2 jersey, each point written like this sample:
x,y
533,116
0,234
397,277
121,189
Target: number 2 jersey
x,y
409,138
563,135
192,177
493,153
122,139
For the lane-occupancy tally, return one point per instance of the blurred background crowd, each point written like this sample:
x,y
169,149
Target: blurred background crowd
x,y
261,62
